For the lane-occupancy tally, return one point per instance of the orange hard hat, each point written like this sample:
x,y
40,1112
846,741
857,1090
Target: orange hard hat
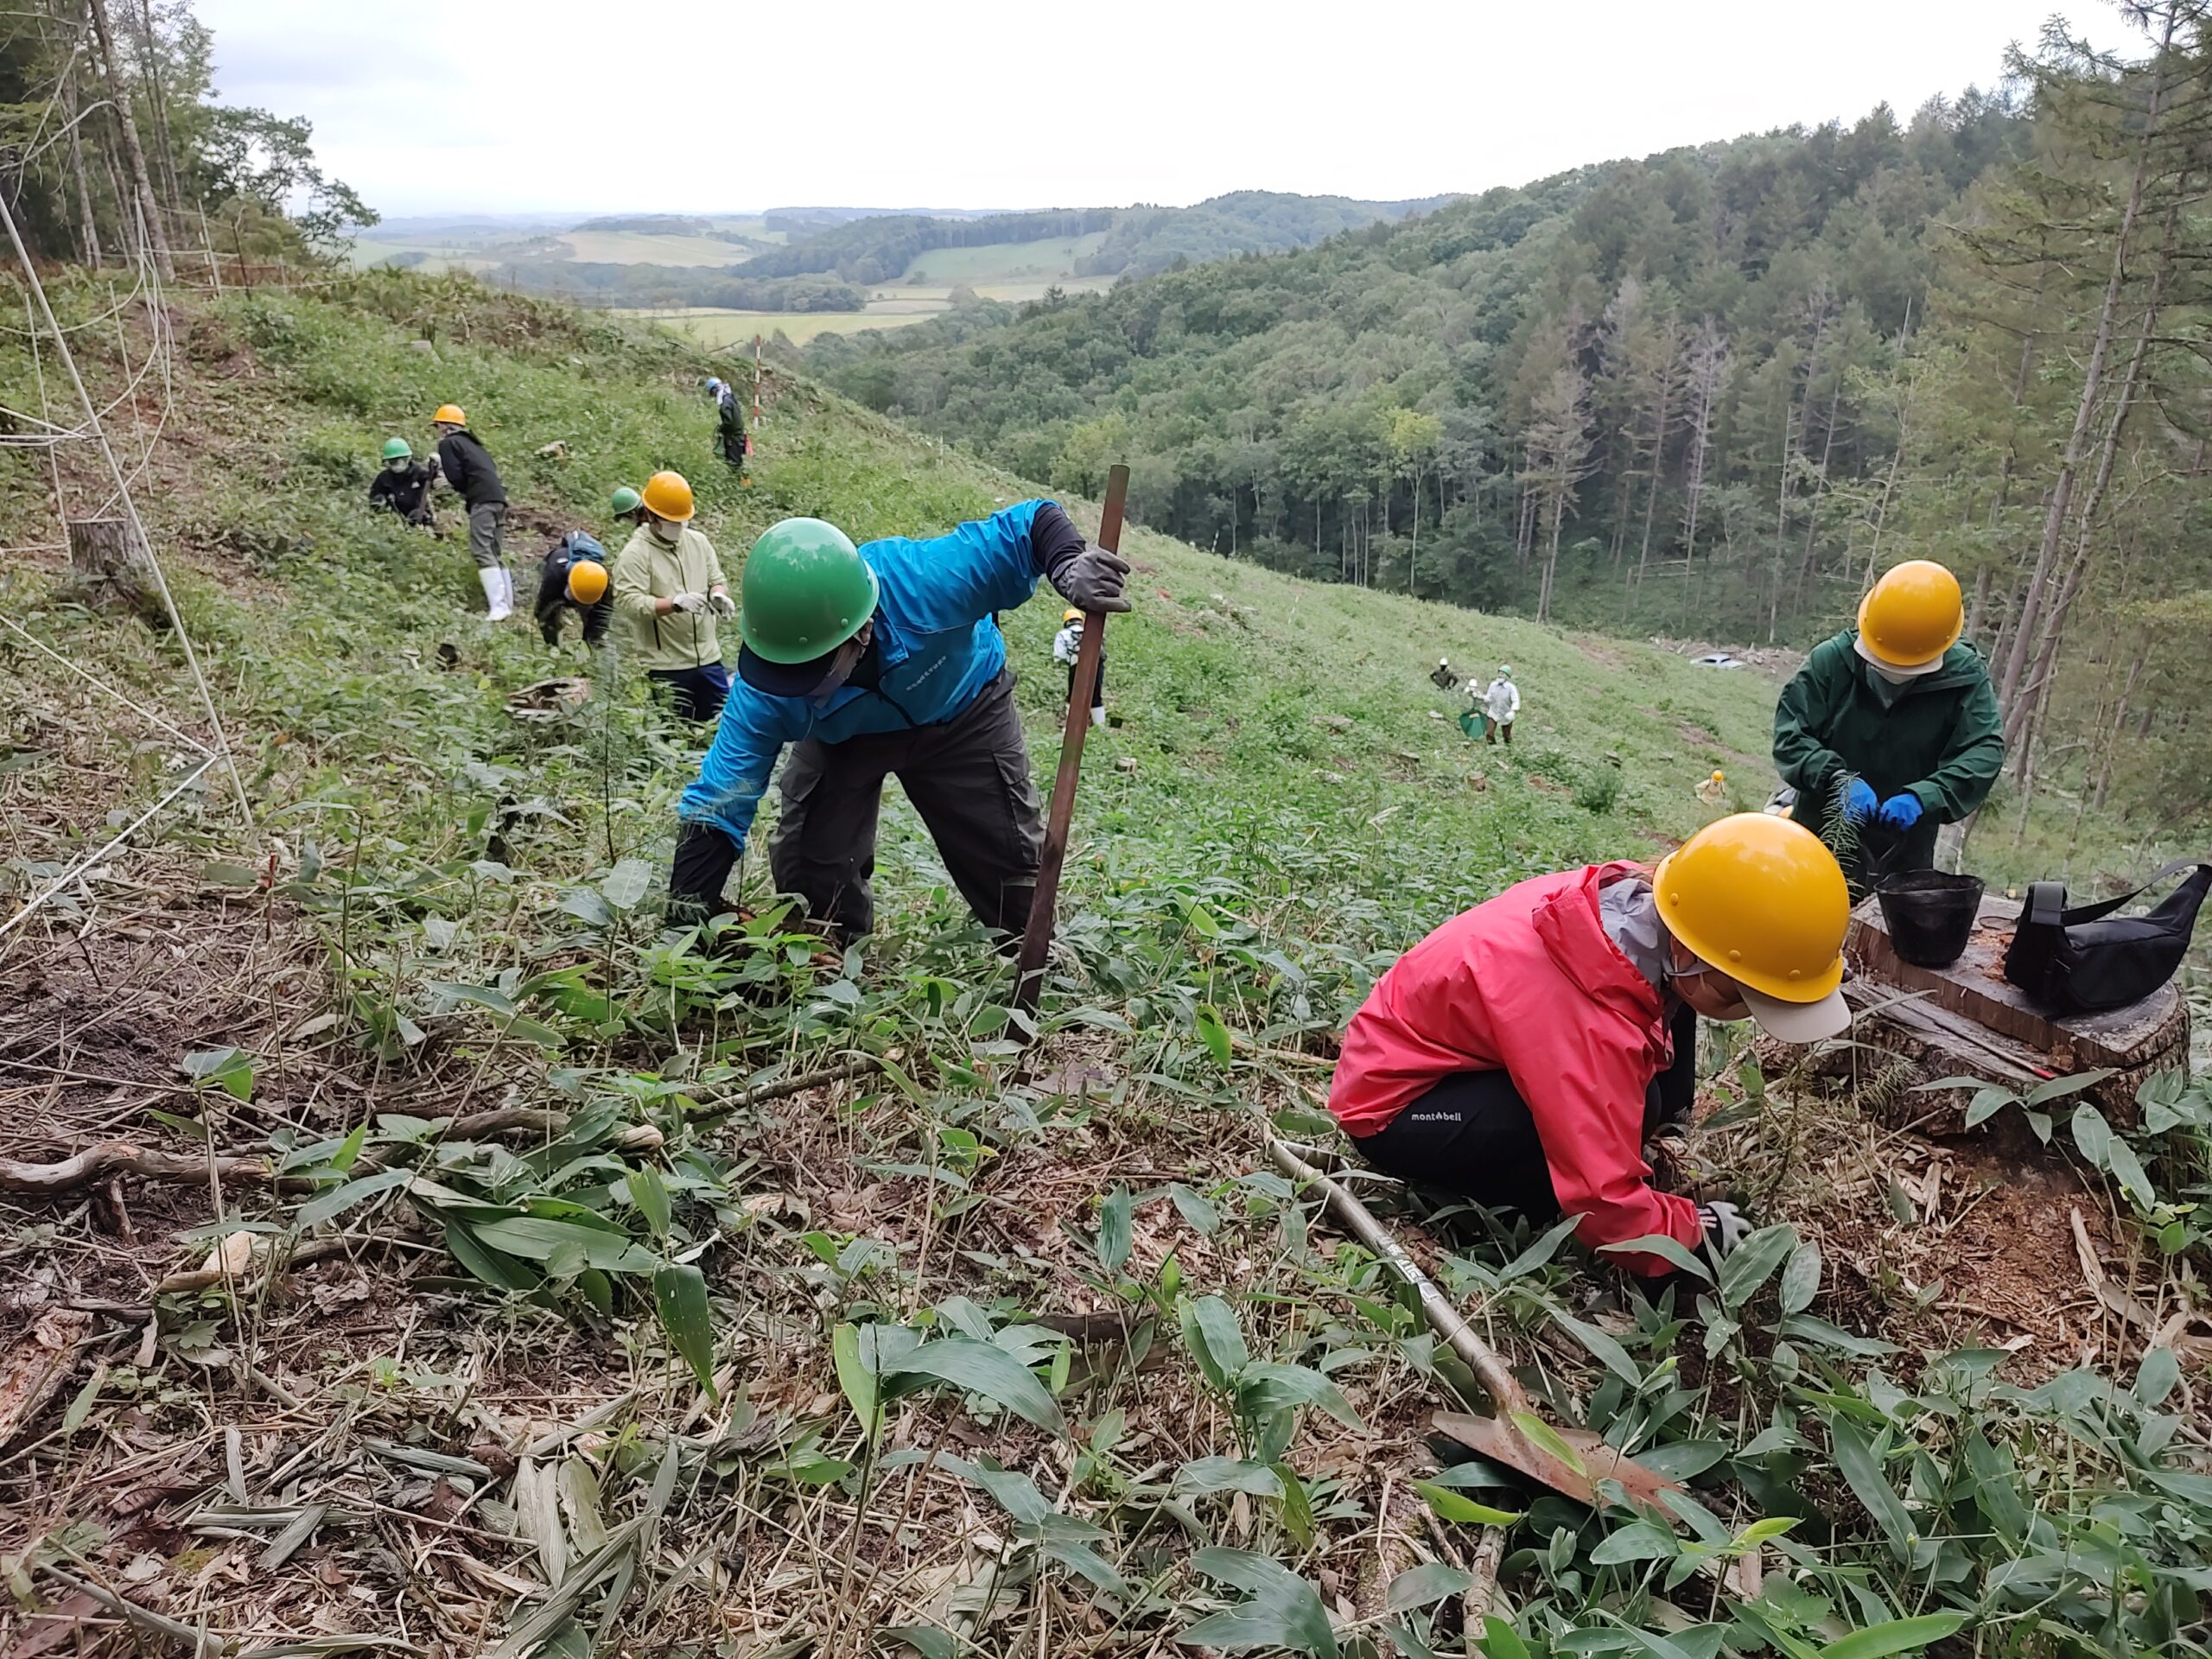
x,y
587,582
667,495
450,415
1912,616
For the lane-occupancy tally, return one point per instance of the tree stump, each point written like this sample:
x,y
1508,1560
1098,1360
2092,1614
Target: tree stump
x,y
110,569
1964,1020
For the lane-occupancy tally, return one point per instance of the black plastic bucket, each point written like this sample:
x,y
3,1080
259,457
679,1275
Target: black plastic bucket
x,y
1931,915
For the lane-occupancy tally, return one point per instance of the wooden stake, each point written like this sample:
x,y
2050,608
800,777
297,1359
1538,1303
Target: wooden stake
x,y
1037,942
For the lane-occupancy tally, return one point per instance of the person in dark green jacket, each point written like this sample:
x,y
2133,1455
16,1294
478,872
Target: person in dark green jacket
x,y
1900,715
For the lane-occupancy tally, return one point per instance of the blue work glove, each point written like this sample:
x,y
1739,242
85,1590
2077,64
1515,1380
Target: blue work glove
x,y
1901,811
1859,801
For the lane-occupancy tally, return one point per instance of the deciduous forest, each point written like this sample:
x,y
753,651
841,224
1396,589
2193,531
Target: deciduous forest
x,y
1709,393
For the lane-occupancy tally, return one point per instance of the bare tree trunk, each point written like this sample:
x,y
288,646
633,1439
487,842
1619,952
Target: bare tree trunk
x,y
2046,660
1813,519
157,236
150,55
126,222
2062,493
89,222
2119,725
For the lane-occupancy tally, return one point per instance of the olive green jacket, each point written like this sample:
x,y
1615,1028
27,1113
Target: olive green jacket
x,y
1942,740
646,570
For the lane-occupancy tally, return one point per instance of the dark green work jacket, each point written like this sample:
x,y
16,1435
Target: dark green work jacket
x,y
1942,740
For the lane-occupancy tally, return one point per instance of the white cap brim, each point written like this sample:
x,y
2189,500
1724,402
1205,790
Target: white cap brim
x,y
1799,1022
1928,667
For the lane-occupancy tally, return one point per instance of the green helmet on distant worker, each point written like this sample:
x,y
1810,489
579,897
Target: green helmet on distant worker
x,y
806,590
398,449
625,502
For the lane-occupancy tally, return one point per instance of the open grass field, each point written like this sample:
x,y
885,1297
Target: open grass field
x,y
717,329
632,248
1050,260
582,1285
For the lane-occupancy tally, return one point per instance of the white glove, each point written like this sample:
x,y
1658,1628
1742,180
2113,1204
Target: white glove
x,y
722,605
688,603
1725,1226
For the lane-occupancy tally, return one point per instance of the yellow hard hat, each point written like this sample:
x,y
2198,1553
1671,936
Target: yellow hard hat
x,y
1719,777
1913,616
587,582
667,495
1071,614
450,415
1763,901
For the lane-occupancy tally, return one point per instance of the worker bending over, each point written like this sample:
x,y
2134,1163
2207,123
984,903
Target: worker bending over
x,y
467,466
573,577
403,483
1502,703
1067,645
1511,1057
875,661
1898,716
668,583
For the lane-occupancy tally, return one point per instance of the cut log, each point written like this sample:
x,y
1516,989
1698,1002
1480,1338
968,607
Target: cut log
x,y
109,569
1965,1020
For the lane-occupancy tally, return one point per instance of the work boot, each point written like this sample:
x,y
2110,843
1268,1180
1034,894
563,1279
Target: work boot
x,y
507,581
496,606
1097,716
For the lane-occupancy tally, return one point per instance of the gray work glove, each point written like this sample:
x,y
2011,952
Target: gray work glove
x,y
690,604
1095,580
1725,1227
722,605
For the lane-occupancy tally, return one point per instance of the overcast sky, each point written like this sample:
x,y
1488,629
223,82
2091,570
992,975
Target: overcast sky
x,y
521,106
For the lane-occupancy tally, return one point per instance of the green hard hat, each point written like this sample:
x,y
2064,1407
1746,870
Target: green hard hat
x,y
396,450
627,500
807,591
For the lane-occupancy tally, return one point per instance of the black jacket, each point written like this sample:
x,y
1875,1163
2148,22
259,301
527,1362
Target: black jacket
x,y
404,490
553,589
468,468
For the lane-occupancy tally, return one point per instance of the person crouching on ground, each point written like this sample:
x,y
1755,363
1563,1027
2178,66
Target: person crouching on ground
x,y
1067,645
877,661
403,483
1515,1056
668,583
574,578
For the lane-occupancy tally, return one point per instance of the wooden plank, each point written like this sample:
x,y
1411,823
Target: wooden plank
x,y
1974,988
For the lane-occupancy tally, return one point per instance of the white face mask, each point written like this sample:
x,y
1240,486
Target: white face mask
x,y
666,531
848,658
1895,677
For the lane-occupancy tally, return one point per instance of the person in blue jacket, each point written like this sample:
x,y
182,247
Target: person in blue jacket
x,y
878,661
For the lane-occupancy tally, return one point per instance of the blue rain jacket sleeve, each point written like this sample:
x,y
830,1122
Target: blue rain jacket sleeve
x,y
956,580
751,734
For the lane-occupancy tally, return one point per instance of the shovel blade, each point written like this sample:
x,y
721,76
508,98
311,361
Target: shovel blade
x,y
1501,1442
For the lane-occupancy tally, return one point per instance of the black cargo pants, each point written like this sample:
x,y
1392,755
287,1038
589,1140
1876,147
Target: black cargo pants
x,y
967,777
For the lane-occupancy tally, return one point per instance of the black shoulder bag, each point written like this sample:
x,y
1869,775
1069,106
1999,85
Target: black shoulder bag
x,y
2087,960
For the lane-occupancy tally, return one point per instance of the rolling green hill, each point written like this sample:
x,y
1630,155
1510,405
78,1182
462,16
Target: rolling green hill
x,y
619,1232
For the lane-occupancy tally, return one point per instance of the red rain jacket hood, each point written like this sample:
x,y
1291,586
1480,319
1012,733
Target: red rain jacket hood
x,y
1529,984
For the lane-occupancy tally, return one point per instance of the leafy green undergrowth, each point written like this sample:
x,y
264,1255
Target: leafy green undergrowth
x,y
1004,1332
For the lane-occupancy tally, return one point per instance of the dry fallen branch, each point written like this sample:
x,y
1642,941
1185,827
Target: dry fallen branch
x,y
34,1370
125,1157
313,1249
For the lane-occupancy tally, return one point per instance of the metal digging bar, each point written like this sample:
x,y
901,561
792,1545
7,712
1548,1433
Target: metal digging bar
x,y
1502,1438
1037,940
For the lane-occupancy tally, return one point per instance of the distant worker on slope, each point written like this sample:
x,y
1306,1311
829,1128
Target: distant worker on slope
x,y
1502,703
878,661
668,583
467,466
1520,1055
1067,644
730,422
403,483
1892,723
1442,676
573,577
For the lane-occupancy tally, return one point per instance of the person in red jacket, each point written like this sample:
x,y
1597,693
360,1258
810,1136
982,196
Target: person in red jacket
x,y
1511,1056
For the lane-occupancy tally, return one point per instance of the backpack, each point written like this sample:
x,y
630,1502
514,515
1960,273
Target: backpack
x,y
2087,960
